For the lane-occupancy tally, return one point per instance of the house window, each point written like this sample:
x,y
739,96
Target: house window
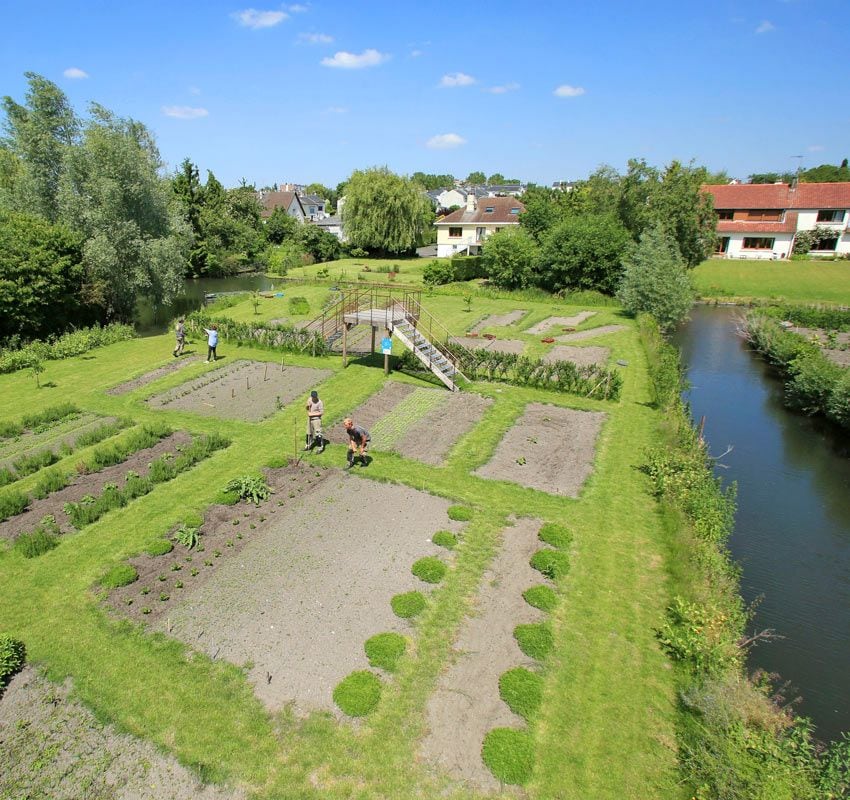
x,y
480,233
455,233
515,211
489,209
762,215
831,216
758,243
725,213
824,245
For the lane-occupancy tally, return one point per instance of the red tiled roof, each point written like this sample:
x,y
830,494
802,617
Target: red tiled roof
x,y
273,200
730,226
780,195
500,214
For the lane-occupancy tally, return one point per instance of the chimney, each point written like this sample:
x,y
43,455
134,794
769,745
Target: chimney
x,y
470,202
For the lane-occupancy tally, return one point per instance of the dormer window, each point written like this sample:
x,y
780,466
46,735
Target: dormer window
x,y
489,209
515,211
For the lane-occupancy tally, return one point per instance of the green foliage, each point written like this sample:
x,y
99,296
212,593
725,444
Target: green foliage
x,y
557,535
509,755
665,370
159,547
534,639
429,569
249,487
510,258
438,271
187,535
298,306
12,503
273,337
459,513
542,597
698,636
35,543
522,690
408,604
384,650
827,317
280,226
119,575
358,693
137,439
551,563
467,268
12,657
445,539
33,462
813,377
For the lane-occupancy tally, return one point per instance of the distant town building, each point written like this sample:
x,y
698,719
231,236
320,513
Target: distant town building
x,y
465,230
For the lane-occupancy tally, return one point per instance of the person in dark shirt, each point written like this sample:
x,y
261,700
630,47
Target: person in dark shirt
x,y
358,442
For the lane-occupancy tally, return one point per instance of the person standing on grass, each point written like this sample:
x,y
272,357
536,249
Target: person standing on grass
x,y
212,342
358,442
180,335
315,409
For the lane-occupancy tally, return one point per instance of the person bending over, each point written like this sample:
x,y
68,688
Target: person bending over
x,y
358,442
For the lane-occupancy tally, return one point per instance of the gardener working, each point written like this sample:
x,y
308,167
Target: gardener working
x,y
180,335
315,409
358,442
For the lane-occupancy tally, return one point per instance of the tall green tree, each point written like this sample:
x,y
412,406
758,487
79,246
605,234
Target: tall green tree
x,y
496,178
281,227
827,173
430,181
325,192
384,212
638,189
510,257
476,178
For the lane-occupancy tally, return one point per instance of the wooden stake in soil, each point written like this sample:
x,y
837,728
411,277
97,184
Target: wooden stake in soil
x,y
247,385
232,392
266,373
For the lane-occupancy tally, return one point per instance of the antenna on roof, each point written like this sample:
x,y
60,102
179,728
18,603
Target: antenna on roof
x,y
799,171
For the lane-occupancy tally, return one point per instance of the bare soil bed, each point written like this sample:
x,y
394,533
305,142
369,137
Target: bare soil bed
x,y
244,390
51,746
590,334
378,406
567,322
298,603
499,320
834,354
153,375
548,448
83,485
466,702
498,345
578,355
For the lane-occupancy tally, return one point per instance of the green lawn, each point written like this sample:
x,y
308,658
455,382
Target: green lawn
x,y
374,270
607,725
791,281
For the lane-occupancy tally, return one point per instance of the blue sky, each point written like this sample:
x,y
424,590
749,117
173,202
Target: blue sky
x,y
539,91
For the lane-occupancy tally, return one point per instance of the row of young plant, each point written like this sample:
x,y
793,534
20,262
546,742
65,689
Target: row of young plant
x,y
814,384
509,752
736,739
267,335
39,421
26,356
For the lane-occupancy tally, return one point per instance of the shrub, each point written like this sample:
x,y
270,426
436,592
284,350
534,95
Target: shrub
x,y
35,543
28,464
159,548
467,268
813,378
12,657
119,575
12,503
187,535
224,498
556,535
358,693
534,639
698,636
552,563
249,487
460,513
384,650
445,539
7,476
509,755
51,480
408,604
41,420
542,597
438,271
429,569
522,690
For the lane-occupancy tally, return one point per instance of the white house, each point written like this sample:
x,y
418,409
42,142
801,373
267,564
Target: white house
x,y
464,230
762,220
313,205
288,201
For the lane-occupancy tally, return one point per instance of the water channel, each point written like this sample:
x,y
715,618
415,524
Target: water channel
x,y
792,531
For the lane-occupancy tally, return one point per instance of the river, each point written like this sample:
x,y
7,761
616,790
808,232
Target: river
x,y
792,530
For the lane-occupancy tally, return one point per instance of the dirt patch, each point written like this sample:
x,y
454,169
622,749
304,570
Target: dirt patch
x,y
378,406
244,390
466,703
302,598
567,322
153,375
499,320
65,433
548,448
52,746
834,354
578,355
498,345
590,334
88,484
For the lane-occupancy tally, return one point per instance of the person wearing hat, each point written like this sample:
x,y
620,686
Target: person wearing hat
x,y
315,409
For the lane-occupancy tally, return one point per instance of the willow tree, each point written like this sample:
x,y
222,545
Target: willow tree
x,y
384,212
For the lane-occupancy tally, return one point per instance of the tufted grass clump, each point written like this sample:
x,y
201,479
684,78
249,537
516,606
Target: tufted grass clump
x,y
384,650
552,563
36,543
534,639
542,597
509,755
556,535
159,548
522,690
445,539
358,693
51,480
408,604
460,513
119,575
429,569
12,503
12,657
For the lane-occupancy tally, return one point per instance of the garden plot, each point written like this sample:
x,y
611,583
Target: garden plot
x,y
466,702
566,322
498,345
52,746
88,484
302,598
244,390
64,433
590,334
377,407
578,355
499,320
548,448
154,375
837,351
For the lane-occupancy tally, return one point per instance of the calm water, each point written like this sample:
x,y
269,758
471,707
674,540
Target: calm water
x,y
792,532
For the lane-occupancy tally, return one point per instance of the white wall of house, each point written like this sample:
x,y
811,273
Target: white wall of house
x,y
781,245
471,239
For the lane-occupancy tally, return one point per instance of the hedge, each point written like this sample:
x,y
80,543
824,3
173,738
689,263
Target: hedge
x,y
272,337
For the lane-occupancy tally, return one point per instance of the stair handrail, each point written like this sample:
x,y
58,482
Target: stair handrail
x,y
434,331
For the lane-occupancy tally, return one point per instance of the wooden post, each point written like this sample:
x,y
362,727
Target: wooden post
x,y
344,344
266,373
373,339
247,385
387,358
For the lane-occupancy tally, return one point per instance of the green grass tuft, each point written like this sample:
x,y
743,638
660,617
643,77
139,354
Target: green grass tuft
x,y
542,597
445,539
12,503
358,693
384,650
36,543
509,755
460,513
552,563
408,604
556,535
535,639
522,690
159,548
119,575
429,569
12,657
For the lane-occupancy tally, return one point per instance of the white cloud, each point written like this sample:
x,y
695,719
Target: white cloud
x,y
315,38
344,60
336,110
445,141
194,90
416,53
765,27
504,89
565,90
251,18
297,8
184,112
456,79
76,73
815,148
